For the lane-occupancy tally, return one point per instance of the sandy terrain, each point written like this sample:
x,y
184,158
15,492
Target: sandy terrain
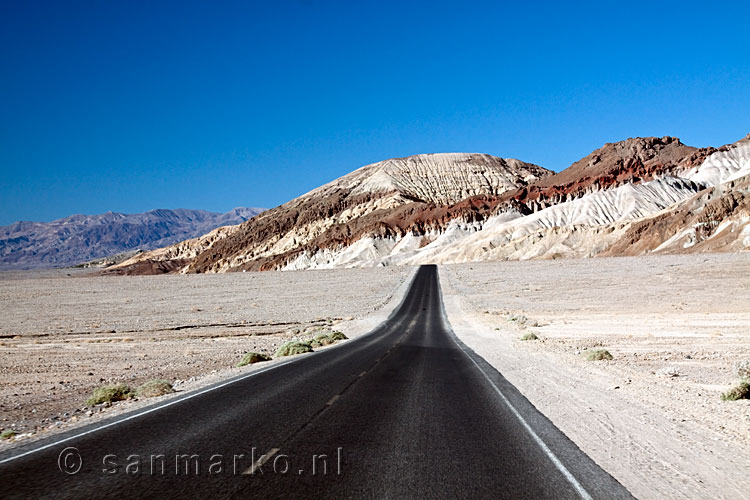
x,y
652,417
676,326
64,333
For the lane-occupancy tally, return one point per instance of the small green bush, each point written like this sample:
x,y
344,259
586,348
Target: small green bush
x,y
110,394
323,339
336,336
742,391
154,388
294,347
7,434
253,357
599,355
530,336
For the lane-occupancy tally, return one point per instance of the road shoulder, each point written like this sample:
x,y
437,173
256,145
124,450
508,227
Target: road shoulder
x,y
639,446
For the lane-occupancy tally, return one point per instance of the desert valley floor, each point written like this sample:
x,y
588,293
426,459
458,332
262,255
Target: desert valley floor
x,y
652,416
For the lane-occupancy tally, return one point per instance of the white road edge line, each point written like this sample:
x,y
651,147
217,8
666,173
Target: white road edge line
x,y
151,410
175,401
556,461
258,463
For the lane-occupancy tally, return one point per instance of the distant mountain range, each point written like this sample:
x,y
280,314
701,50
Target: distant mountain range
x,y
637,196
81,238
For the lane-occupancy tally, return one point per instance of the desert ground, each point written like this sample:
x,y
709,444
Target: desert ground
x,y
676,327
64,333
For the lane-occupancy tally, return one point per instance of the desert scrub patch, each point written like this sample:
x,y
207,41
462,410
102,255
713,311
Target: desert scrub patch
x,y
153,388
521,321
599,355
336,336
110,394
7,434
321,340
741,391
253,357
327,338
518,319
294,347
530,336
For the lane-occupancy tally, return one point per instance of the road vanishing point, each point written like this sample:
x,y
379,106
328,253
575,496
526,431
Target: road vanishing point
x,y
405,411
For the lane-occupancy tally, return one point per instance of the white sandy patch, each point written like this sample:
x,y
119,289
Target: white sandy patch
x,y
661,436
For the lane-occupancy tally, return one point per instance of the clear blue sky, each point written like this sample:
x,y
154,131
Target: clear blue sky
x,y
130,106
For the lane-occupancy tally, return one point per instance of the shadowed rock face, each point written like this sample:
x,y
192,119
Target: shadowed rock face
x,y
459,207
81,238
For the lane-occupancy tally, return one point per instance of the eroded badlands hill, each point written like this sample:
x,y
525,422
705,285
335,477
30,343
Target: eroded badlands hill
x,y
627,198
383,200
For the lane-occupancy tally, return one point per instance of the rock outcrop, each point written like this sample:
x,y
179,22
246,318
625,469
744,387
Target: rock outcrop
x,y
382,200
631,197
634,160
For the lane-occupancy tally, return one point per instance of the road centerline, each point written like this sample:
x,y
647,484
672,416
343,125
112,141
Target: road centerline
x,y
262,460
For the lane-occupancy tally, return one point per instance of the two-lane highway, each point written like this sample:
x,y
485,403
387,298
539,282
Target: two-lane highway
x,y
404,411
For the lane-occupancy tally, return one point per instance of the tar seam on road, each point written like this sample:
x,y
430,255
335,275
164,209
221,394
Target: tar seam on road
x,y
556,461
258,463
335,398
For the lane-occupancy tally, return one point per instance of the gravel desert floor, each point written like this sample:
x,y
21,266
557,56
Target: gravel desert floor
x,y
64,333
676,327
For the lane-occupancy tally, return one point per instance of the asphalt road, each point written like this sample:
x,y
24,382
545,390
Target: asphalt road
x,y
405,411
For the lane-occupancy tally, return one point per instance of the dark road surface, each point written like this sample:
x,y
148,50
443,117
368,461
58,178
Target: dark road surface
x,y
406,411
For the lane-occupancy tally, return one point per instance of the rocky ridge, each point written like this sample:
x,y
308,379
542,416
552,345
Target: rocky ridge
x,y
627,198
383,199
82,238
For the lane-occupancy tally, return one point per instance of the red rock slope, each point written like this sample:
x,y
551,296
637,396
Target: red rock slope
x,y
630,197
